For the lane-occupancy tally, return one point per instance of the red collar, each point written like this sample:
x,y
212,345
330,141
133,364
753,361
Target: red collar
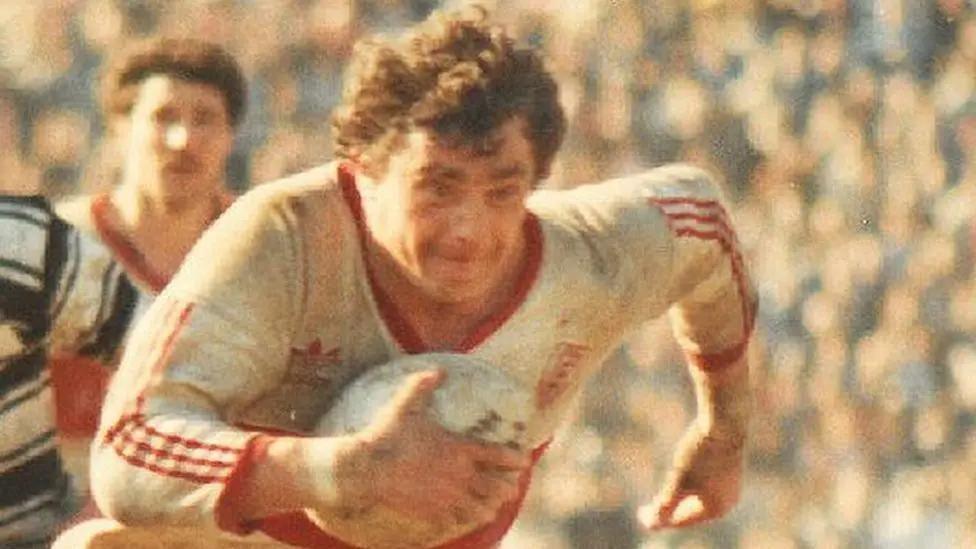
x,y
403,332
132,260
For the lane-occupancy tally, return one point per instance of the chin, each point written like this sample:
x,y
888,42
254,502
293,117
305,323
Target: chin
x,y
451,286
456,294
184,188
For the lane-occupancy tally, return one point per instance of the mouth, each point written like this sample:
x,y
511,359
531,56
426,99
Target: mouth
x,y
459,268
462,259
459,259
183,166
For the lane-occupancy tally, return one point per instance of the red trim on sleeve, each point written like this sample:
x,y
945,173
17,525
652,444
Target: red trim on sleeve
x,y
167,453
708,220
729,247
227,516
137,422
714,362
177,317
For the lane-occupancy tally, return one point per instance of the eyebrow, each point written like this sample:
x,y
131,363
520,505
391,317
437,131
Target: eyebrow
x,y
437,170
486,146
505,172
512,170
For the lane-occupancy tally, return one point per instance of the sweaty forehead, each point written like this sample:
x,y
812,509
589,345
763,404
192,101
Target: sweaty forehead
x,y
164,88
504,147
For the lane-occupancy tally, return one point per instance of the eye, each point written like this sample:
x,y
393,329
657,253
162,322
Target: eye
x,y
204,117
439,188
165,116
504,194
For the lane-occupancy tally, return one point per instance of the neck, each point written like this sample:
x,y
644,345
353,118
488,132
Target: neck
x,y
441,324
137,208
161,233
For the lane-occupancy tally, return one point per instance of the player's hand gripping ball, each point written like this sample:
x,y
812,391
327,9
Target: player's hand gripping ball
x,y
476,399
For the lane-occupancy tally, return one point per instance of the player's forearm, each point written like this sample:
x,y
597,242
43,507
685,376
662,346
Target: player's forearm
x,y
297,473
273,485
724,400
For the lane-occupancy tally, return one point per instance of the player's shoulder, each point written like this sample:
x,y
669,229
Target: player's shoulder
x,y
313,188
28,222
301,205
670,180
34,244
620,199
680,181
29,208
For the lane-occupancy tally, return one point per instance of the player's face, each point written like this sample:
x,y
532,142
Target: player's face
x,y
452,215
178,136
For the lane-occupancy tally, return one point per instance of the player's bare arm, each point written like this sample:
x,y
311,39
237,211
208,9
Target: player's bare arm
x,y
706,476
712,320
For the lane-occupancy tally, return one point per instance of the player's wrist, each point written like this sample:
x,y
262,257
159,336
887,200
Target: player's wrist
x,y
339,468
725,402
731,372
731,434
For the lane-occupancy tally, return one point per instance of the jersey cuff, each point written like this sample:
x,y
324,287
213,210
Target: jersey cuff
x,y
226,510
715,362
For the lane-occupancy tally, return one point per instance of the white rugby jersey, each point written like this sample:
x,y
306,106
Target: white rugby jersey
x,y
110,261
50,276
275,311
112,257
78,381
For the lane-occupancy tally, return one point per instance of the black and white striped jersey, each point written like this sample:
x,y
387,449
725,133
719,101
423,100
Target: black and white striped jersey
x,y
57,290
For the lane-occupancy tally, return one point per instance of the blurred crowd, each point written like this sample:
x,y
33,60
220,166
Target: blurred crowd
x,y
845,132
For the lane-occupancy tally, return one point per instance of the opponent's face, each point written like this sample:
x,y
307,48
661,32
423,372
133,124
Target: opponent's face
x,y
178,137
451,216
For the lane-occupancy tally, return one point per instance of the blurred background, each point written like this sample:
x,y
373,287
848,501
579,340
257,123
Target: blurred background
x,y
845,131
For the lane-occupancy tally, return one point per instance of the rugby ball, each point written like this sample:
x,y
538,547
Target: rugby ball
x,y
475,399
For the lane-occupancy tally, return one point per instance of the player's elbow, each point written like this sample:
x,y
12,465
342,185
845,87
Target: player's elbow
x,y
117,493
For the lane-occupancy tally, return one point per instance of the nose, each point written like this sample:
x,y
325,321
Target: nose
x,y
177,137
468,221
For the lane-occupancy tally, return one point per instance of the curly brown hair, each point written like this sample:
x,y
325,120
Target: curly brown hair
x,y
456,74
186,58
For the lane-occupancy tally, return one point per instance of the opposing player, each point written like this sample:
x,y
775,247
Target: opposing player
x,y
170,107
426,236
40,258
